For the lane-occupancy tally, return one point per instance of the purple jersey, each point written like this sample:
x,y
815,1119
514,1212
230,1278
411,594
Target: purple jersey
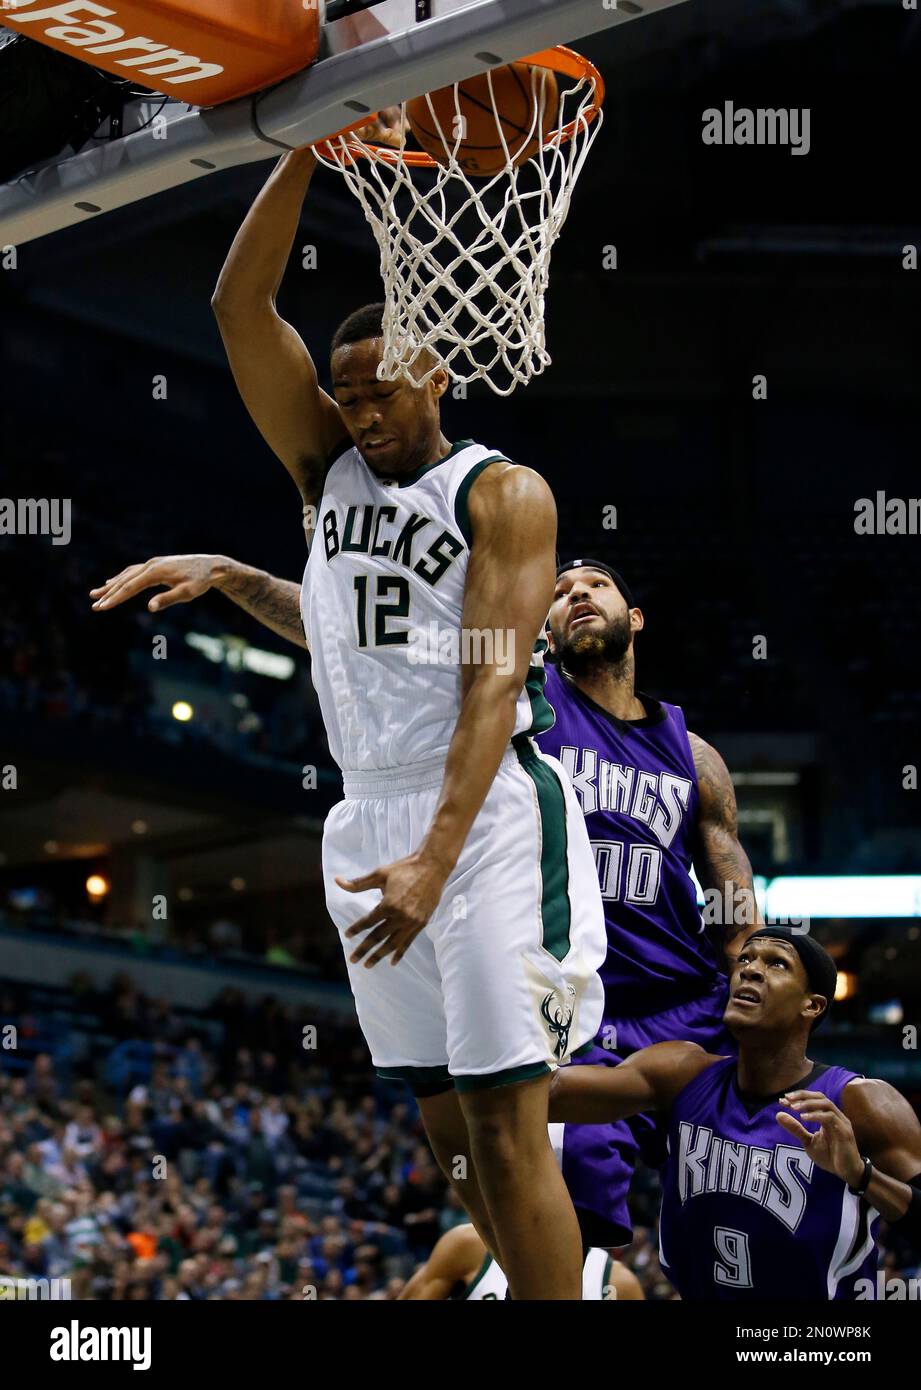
x,y
637,785
746,1213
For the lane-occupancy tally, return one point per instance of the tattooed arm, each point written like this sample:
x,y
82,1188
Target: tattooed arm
x,y
720,862
274,602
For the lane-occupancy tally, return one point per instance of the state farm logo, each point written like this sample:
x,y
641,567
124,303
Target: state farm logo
x,y
94,36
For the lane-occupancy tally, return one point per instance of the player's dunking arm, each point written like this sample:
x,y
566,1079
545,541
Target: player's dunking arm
x,y
720,862
507,593
274,602
648,1080
875,1122
455,1260
271,366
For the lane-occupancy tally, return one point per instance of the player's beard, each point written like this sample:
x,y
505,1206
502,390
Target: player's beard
x,y
586,651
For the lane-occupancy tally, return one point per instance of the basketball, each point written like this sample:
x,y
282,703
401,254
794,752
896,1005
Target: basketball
x,y
526,99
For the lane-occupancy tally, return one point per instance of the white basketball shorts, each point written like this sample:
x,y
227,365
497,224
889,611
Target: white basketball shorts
x,y
502,984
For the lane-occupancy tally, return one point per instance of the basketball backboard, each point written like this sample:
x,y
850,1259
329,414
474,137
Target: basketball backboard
x,y
350,23
373,53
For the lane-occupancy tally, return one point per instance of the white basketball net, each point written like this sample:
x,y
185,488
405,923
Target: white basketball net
x,y
466,261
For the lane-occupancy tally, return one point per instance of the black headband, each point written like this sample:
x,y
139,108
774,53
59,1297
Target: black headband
x,y
605,569
821,971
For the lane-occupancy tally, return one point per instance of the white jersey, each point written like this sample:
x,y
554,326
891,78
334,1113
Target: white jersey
x,y
597,1283
382,600
490,1282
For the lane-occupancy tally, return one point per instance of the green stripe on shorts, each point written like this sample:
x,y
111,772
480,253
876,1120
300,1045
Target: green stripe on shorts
x,y
422,1081
555,911
501,1078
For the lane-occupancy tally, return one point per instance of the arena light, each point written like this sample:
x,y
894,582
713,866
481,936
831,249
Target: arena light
x,y
273,664
237,654
210,647
891,1011
846,987
798,898
844,896
182,711
97,886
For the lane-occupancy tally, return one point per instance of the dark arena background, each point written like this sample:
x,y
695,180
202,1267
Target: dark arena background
x,y
187,1106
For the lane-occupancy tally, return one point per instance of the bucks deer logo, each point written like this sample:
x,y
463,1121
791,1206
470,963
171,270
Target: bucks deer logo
x,y
558,1021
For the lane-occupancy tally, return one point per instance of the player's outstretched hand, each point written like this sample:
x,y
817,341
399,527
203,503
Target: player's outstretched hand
x,y
386,128
411,890
183,576
832,1146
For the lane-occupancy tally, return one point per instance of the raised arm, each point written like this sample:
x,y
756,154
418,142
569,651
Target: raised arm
x,y
272,368
720,862
273,602
648,1080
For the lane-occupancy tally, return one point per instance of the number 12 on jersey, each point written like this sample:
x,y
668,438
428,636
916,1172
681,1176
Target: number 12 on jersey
x,y
397,608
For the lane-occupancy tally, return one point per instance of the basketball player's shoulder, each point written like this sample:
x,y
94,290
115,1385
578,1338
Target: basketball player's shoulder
x,y
707,760
463,1243
505,490
690,1056
714,780
671,1066
624,1283
872,1104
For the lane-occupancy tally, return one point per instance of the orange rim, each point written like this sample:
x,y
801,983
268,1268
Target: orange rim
x,y
559,59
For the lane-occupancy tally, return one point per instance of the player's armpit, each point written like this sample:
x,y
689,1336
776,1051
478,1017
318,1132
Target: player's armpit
x,y
278,383
720,862
649,1080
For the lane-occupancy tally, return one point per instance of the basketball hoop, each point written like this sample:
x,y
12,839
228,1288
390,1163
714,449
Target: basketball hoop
x,y
465,259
